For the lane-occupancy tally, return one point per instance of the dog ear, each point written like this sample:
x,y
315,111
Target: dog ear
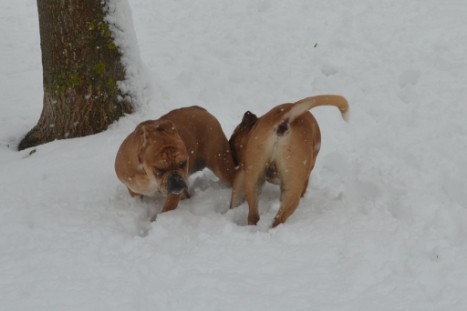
x,y
165,126
249,119
145,129
141,135
141,132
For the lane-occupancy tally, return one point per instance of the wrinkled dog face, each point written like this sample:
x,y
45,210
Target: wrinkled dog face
x,y
164,156
239,137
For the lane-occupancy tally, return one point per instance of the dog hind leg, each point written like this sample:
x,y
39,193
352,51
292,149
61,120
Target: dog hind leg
x,y
294,182
290,199
238,189
253,185
225,170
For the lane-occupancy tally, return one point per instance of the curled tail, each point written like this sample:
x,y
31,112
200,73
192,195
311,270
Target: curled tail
x,y
322,100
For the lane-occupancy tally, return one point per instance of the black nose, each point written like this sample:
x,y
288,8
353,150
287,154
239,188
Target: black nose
x,y
176,184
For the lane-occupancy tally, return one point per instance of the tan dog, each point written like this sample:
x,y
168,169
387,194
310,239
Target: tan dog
x,y
279,147
159,155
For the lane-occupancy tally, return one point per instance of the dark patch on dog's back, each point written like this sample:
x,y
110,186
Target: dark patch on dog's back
x,y
249,119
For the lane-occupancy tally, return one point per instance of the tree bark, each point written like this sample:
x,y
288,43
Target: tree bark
x,y
81,68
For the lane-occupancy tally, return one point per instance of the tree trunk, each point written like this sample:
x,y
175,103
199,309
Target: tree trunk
x,y
81,68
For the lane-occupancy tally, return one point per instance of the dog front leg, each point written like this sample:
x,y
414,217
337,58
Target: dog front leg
x,y
171,202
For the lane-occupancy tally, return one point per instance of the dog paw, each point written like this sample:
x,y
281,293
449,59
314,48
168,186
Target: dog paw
x,y
253,219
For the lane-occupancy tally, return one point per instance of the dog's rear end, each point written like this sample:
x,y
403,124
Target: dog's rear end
x,y
280,146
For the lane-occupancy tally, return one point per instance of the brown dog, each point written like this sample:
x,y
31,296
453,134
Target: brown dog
x,y
159,155
279,147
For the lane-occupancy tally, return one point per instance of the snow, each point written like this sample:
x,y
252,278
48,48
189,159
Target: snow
x,y
383,225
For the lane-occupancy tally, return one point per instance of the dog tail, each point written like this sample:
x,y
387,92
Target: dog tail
x,y
322,100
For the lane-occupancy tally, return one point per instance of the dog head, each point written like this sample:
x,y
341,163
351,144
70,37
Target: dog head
x,y
163,155
240,136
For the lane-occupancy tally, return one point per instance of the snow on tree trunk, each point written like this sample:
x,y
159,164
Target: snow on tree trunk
x,y
81,70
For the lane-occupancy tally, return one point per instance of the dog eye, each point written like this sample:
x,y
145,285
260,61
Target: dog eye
x,y
160,171
182,164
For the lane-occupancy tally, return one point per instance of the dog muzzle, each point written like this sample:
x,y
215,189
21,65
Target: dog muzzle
x,y
176,184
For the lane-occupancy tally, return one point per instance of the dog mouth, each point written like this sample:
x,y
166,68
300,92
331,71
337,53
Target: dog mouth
x,y
176,184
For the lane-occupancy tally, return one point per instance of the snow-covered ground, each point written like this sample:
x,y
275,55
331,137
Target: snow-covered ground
x,y
383,225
